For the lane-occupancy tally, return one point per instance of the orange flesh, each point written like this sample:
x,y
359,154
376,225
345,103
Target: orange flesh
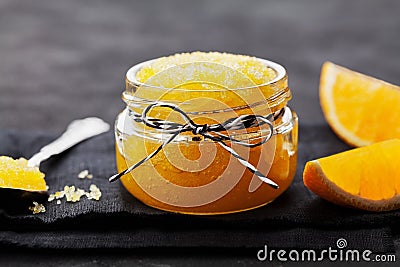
x,y
370,110
15,174
164,164
362,110
366,177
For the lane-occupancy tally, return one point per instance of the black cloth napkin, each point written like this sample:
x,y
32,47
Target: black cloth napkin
x,y
297,219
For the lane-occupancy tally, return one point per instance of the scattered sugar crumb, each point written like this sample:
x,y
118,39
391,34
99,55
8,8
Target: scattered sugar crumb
x,y
51,198
74,194
83,174
56,195
94,193
37,208
59,194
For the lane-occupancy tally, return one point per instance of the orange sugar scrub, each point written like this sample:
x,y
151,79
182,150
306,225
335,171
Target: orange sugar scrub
x,y
15,174
193,173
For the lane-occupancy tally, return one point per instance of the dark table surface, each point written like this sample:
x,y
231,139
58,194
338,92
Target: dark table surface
x,y
61,60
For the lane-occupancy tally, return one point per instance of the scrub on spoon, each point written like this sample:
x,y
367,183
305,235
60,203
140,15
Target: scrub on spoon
x,y
25,175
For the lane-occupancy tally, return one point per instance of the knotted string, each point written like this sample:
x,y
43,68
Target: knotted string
x,y
208,131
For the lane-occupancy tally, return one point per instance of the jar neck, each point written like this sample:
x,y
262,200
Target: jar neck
x,y
129,123
216,104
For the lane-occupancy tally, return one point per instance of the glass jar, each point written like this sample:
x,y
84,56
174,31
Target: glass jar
x,y
196,175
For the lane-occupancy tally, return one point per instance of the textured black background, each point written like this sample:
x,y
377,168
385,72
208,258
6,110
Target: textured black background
x,y
61,60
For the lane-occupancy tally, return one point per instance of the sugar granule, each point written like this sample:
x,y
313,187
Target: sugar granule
x,y
37,208
51,197
83,174
59,194
94,193
73,194
69,191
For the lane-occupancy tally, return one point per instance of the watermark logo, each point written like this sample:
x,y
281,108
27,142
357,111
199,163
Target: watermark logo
x,y
341,243
340,253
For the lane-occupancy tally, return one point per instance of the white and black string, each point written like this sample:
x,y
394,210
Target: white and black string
x,y
208,131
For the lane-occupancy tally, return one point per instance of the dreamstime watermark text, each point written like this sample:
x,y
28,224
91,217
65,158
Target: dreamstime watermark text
x,y
338,253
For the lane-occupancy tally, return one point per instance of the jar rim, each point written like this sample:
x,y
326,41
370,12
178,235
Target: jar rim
x,y
279,69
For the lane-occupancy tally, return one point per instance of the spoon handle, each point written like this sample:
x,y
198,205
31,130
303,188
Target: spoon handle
x,y
77,131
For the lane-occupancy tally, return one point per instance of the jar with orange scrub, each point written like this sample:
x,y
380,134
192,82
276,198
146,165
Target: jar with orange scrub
x,y
206,133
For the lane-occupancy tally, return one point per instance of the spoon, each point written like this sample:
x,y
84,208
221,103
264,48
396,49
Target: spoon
x,y
76,132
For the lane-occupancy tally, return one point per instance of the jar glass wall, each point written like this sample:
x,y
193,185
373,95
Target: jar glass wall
x,y
196,175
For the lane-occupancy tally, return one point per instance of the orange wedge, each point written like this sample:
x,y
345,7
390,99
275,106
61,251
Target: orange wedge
x,y
366,178
15,174
361,110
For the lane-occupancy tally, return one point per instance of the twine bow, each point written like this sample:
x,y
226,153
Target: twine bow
x,y
208,131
